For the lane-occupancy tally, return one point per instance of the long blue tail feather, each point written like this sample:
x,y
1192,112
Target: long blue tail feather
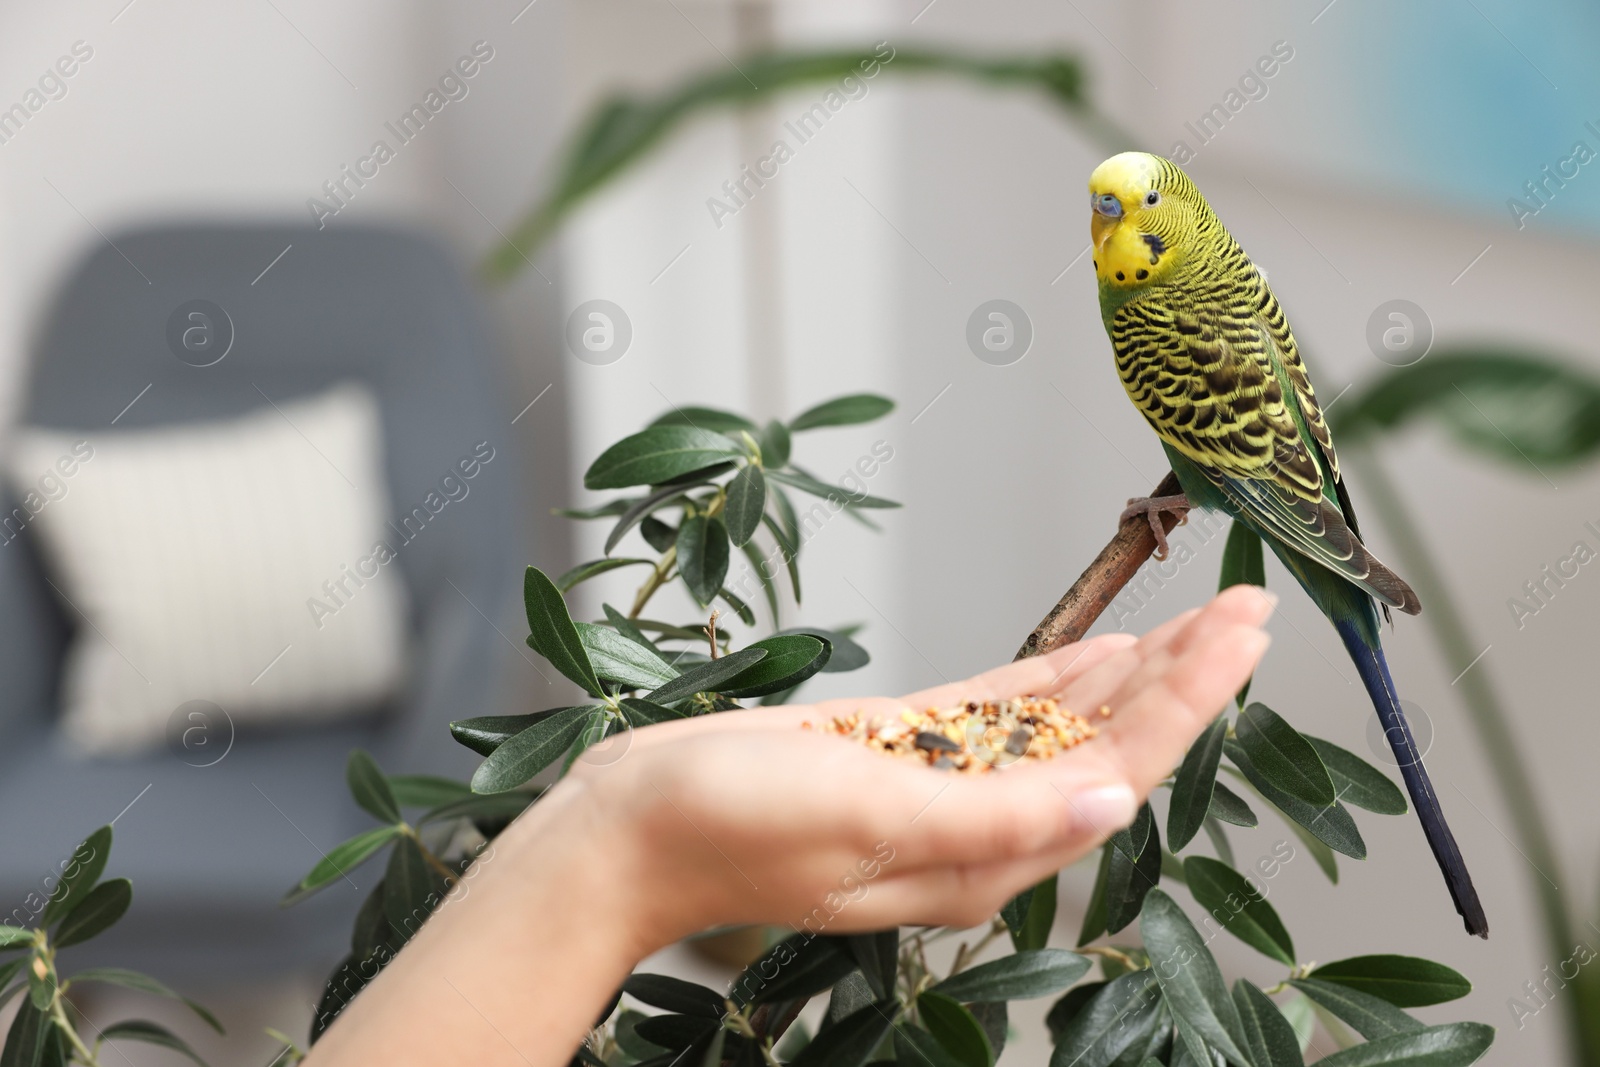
x,y
1374,671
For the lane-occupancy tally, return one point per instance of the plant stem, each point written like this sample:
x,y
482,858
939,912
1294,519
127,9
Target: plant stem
x,y
657,579
1493,725
450,877
59,1012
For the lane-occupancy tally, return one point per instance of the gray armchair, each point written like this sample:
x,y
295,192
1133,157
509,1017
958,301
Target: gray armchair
x,y
211,849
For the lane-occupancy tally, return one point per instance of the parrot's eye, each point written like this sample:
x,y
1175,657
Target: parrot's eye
x,y
1152,198
1106,204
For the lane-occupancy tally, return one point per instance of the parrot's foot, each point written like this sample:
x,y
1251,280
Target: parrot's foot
x,y
1152,508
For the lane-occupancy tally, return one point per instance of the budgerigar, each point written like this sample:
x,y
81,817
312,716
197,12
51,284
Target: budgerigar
x,y
1205,353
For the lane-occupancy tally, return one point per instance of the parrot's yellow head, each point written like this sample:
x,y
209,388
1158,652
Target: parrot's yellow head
x,y
1144,212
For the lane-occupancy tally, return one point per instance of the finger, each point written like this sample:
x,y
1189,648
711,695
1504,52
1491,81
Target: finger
x,y
1037,675
1247,605
951,895
1155,721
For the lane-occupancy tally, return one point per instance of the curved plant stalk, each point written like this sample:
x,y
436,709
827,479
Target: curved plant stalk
x,y
1493,725
624,127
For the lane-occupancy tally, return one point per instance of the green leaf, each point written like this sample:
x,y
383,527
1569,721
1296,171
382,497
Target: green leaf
x,y
25,1041
627,628
1134,869
628,1041
789,661
1271,1040
878,957
1229,807
1370,1017
955,1028
1030,915
1242,565
705,419
14,937
610,509
595,567
838,494
657,455
746,503
843,411
1326,860
1359,782
1219,842
150,1034
495,807
739,607
708,677
1516,406
639,712
411,889
1190,980
788,549
1019,976
1450,1045
1112,1020
654,501
1331,825
657,534
426,790
617,659
851,1041
340,860
596,726
552,634
1404,981
796,968
995,1019
775,444
143,983
83,870
370,788
846,655
1241,909
371,929
703,556
1302,1017
914,1045
1193,786
41,989
769,588
1283,757
784,514
95,912
486,733
674,995
677,1033
525,754
1096,915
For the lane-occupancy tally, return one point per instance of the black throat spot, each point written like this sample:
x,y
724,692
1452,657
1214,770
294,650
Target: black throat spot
x,y
1157,246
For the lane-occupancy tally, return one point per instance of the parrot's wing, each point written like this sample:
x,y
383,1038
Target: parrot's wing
x,y
1317,530
1252,439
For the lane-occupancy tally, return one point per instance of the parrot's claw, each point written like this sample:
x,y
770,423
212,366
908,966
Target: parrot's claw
x,y
1152,508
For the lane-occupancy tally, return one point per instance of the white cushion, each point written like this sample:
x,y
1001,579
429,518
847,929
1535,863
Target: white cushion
x,y
233,562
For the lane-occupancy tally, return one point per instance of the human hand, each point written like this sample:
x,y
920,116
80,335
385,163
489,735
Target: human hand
x,y
746,817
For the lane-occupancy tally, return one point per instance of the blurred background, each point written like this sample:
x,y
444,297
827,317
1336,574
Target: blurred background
x,y
202,152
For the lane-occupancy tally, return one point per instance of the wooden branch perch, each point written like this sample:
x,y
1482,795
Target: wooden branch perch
x,y
1099,585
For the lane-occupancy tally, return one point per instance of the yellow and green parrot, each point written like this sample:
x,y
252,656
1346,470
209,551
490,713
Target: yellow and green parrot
x,y
1205,353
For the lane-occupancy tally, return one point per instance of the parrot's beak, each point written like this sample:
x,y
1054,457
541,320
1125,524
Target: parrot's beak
x,y
1100,229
